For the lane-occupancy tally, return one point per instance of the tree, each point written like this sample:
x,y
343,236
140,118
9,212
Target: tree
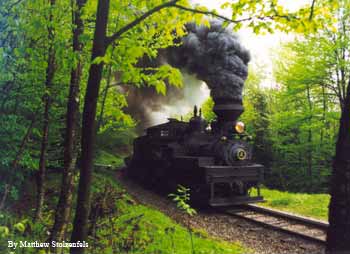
x,y
50,72
338,235
88,129
257,104
25,71
63,210
309,104
20,68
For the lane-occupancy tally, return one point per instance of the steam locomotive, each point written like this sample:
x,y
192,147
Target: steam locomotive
x,y
214,161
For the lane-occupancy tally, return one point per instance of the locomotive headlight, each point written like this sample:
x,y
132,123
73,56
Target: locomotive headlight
x,y
239,127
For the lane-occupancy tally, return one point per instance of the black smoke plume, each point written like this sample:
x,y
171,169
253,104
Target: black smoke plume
x,y
213,55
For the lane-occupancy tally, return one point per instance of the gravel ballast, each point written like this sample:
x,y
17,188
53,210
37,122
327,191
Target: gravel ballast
x,y
220,226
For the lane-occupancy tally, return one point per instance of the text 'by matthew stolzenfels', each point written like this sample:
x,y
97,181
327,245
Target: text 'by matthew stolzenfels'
x,y
52,244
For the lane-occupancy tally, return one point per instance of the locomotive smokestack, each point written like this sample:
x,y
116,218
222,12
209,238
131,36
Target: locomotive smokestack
x,y
228,110
215,55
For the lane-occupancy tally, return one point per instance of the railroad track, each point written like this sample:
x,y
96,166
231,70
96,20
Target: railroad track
x,y
302,227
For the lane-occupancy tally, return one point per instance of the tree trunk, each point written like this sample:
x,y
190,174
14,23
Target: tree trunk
x,y
324,111
50,70
324,131
338,235
105,93
88,127
64,205
309,137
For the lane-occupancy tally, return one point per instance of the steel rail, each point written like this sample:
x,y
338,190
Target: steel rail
x,y
286,215
303,221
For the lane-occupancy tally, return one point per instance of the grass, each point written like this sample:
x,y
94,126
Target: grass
x,y
141,229
310,205
159,234
106,158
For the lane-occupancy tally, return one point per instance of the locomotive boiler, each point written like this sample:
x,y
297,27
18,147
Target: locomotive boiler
x,y
213,160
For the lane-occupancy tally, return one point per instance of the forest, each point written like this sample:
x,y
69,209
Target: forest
x,y
68,70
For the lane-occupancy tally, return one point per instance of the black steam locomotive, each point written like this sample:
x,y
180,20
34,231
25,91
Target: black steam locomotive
x,y
214,161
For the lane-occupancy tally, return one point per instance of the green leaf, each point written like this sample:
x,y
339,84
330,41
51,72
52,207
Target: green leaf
x,y
20,227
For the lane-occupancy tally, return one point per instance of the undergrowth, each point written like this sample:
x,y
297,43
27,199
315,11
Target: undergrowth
x,y
139,229
117,224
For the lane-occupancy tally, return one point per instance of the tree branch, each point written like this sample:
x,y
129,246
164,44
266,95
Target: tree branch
x,y
138,20
210,13
172,4
312,9
207,13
